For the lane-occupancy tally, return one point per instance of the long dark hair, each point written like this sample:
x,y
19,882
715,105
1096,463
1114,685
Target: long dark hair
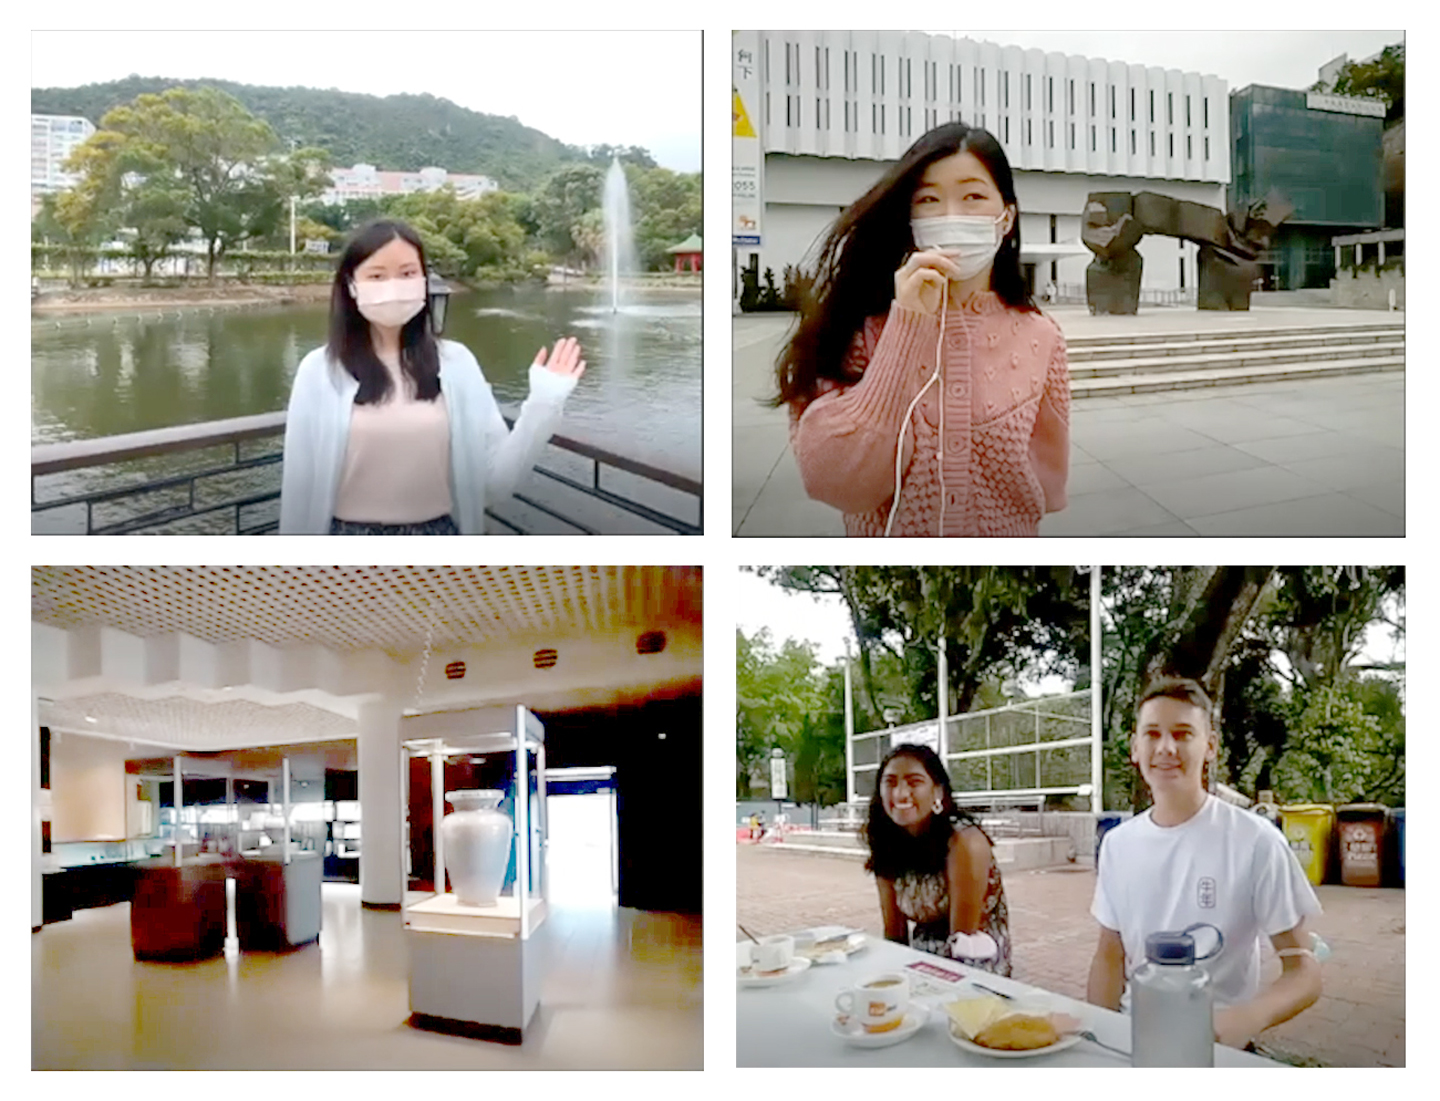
x,y
893,849
855,273
350,342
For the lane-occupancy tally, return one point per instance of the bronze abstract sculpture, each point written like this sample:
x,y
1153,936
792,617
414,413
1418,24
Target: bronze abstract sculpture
x,y
1115,221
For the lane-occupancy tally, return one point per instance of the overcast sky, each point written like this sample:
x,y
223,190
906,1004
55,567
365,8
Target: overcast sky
x,y
591,88
1282,58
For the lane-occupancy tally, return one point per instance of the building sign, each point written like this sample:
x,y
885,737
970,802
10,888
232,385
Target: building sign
x,y
314,244
1350,105
746,157
455,671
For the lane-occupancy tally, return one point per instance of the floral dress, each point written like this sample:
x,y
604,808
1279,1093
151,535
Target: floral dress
x,y
925,900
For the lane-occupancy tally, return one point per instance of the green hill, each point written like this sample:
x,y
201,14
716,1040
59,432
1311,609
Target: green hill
x,y
390,132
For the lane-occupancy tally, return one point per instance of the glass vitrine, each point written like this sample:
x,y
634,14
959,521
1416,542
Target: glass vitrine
x,y
476,889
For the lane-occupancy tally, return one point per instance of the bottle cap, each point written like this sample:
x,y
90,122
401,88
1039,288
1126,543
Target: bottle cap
x,y
1171,949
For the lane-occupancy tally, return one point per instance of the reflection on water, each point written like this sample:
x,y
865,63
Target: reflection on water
x,y
106,375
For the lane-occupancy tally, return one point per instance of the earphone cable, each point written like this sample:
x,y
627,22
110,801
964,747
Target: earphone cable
x,y
905,423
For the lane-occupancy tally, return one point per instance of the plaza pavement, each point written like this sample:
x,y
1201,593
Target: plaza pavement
x,y
1358,1022
1319,457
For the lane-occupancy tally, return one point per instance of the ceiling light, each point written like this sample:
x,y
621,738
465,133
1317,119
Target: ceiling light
x,y
89,718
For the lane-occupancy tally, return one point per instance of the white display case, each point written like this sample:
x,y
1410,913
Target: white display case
x,y
475,970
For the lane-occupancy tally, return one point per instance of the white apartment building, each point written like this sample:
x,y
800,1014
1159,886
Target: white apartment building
x,y
365,181
832,110
52,139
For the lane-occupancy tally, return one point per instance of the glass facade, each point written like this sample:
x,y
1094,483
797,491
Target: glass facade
x,y
1328,164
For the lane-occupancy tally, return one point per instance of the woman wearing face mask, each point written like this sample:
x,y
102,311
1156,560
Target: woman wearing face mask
x,y
928,394
934,865
392,432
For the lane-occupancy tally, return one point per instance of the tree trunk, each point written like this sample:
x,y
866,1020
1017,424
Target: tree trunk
x,y
1208,625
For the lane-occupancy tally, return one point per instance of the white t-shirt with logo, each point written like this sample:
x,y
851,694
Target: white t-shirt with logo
x,y
1226,867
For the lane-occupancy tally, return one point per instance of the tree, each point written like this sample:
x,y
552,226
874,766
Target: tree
x,y
997,621
562,203
776,690
1278,648
78,221
204,143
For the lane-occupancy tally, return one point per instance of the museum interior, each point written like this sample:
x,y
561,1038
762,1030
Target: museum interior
x,y
356,818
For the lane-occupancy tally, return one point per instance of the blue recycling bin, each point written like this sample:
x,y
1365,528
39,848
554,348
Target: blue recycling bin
x,y
1104,823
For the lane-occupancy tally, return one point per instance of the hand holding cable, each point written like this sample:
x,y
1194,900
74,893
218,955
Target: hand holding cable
x,y
921,282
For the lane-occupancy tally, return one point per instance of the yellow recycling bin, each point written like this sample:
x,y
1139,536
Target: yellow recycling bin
x,y
1308,827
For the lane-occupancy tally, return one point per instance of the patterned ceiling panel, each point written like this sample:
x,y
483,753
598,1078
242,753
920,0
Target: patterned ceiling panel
x,y
347,608
187,723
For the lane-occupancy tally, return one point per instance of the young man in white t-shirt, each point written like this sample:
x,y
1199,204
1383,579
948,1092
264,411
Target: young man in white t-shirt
x,y
1194,858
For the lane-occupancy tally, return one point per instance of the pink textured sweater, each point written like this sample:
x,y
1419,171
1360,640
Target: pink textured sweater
x,y
1006,387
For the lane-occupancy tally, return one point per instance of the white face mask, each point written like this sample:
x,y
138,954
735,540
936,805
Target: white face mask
x,y
971,240
389,302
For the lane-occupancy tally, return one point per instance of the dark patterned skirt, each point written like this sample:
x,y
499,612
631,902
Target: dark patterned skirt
x,y
441,525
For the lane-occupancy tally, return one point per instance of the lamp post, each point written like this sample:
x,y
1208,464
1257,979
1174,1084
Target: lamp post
x,y
438,292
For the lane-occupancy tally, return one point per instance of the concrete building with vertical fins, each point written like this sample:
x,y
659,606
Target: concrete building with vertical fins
x,y
834,109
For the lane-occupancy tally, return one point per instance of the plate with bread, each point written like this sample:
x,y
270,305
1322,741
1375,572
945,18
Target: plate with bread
x,y
1021,1028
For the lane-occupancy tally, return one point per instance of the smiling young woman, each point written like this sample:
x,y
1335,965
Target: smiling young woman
x,y
928,394
393,432
934,866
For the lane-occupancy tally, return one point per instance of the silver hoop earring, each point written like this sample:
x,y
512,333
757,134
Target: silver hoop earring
x,y
939,804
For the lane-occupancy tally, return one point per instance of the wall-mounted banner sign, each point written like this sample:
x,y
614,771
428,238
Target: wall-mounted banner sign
x,y
746,199
1350,105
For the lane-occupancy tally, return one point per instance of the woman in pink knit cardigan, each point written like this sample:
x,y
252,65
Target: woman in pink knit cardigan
x,y
928,394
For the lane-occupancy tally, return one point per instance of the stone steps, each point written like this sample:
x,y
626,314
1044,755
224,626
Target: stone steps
x,y
1147,362
1155,364
1090,349
1230,376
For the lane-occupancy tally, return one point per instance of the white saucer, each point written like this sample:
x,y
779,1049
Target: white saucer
x,y
915,1018
1067,1041
747,977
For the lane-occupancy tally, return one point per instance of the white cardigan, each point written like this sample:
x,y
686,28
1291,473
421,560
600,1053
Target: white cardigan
x,y
487,460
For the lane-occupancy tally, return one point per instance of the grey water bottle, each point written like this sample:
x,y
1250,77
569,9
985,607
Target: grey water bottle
x,y
1172,1003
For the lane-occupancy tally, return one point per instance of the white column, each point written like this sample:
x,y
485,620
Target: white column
x,y
381,868
849,732
1097,761
942,699
37,877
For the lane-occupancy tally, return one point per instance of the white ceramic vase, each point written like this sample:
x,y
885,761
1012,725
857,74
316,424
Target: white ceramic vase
x,y
477,845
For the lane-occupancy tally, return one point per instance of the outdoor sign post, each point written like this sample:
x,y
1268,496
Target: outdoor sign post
x,y
778,789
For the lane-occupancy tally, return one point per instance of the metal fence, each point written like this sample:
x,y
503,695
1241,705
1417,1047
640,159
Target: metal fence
x,y
1016,755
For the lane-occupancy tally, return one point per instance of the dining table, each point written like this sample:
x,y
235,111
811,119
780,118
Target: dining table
x,y
790,1021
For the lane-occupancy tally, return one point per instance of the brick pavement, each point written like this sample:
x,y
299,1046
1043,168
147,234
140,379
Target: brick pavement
x,y
1358,1022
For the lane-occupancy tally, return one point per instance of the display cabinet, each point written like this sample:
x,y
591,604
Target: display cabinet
x,y
476,898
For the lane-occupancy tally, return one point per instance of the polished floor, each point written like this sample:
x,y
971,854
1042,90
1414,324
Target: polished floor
x,y
622,991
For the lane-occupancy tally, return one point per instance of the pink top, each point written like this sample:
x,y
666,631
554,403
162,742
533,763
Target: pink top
x,y
397,460
1007,424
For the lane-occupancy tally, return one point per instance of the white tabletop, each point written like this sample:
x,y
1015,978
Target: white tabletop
x,y
788,1024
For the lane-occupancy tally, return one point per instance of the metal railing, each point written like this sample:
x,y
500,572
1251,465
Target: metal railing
x,y
185,494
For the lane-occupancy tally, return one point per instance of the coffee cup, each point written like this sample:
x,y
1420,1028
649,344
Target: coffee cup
x,y
878,1004
772,953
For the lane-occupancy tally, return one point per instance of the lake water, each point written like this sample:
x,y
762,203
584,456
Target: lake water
x,y
104,375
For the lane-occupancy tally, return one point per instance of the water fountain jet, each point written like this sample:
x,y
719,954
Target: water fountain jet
x,y
619,242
